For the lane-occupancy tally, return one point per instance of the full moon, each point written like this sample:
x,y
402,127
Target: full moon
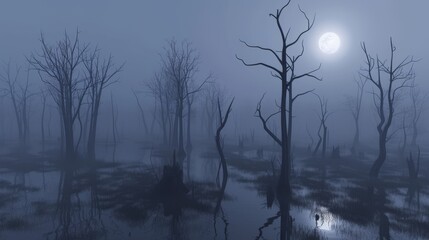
x,y
329,43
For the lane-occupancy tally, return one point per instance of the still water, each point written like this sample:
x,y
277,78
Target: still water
x,y
114,198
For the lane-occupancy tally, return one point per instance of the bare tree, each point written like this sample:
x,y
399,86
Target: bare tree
x,y
59,67
180,64
159,90
404,128
211,94
355,106
322,132
189,102
114,110
287,74
385,94
44,96
222,122
292,98
192,90
413,168
19,94
418,106
101,73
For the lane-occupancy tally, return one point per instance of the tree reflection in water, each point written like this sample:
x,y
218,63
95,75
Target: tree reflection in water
x,y
74,218
124,197
218,209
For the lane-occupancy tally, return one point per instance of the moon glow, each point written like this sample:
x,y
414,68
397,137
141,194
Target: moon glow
x,y
329,43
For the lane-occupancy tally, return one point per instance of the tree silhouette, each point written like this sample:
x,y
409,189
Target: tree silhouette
x,y
385,94
355,106
59,66
19,93
101,73
287,74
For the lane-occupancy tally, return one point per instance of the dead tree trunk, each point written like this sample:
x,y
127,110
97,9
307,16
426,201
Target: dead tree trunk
x,y
385,94
181,145
418,104
175,134
355,105
291,102
404,136
19,94
323,117
325,131
222,122
189,102
114,120
180,64
161,90
42,120
62,138
286,74
413,168
59,67
211,94
101,73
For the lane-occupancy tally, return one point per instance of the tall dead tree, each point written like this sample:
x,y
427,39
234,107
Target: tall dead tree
x,y
101,73
222,122
286,73
159,89
413,168
180,64
355,106
322,132
189,102
210,96
19,93
388,78
114,111
192,90
418,106
404,128
60,66
292,98
44,96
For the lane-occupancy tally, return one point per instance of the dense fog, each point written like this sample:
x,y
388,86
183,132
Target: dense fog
x,y
214,119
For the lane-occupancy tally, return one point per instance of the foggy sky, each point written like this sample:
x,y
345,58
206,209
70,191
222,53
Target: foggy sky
x,y
135,31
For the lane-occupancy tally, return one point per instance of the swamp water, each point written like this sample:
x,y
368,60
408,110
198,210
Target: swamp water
x,y
113,198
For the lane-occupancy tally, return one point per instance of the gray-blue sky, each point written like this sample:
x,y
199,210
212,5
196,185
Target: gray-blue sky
x,y
135,31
